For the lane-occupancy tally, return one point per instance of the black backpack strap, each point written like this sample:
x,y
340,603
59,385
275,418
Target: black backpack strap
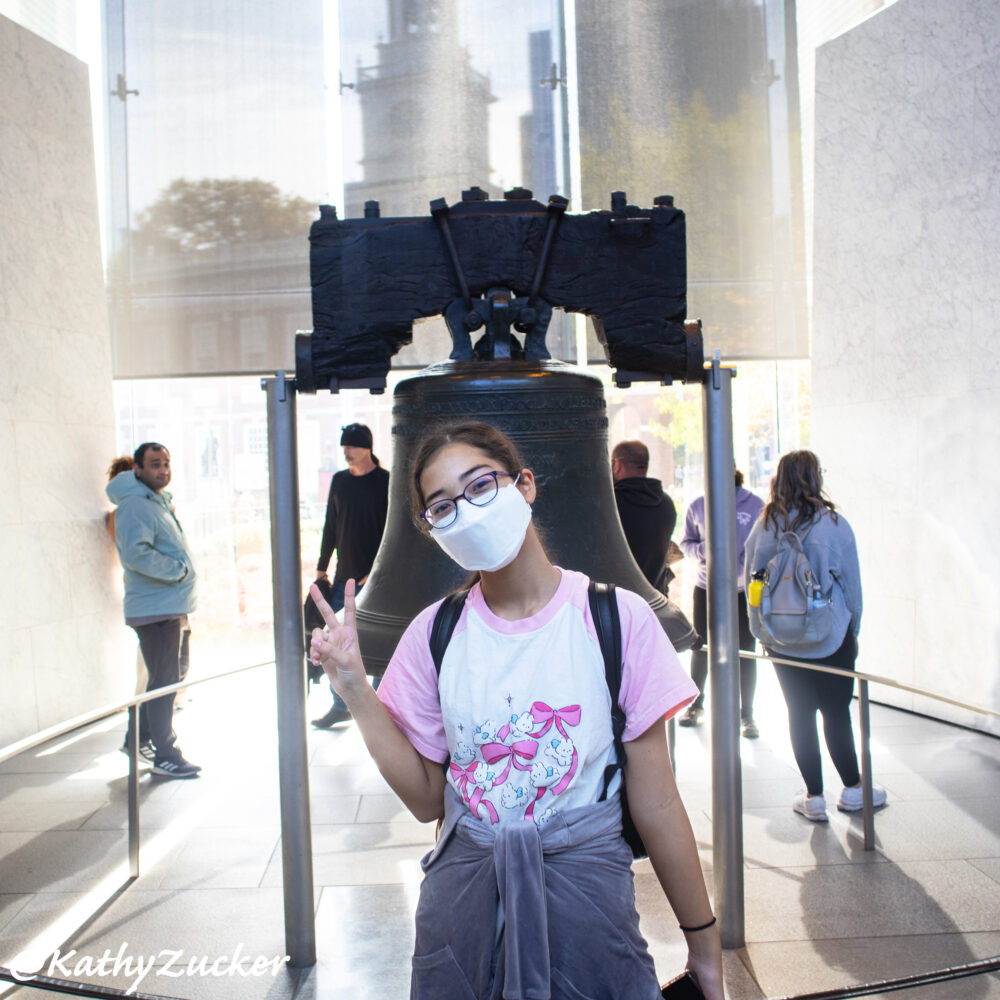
x,y
445,620
604,611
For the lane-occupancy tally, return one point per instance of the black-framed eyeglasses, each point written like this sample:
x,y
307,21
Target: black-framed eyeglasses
x,y
480,492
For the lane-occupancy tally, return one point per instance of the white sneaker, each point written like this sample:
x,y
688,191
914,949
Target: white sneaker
x,y
850,799
812,807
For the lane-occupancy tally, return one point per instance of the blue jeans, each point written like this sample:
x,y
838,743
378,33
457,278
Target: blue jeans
x,y
337,603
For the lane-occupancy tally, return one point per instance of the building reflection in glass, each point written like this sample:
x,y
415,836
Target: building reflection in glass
x,y
218,161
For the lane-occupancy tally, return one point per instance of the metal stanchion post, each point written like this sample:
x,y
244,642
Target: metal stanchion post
x,y
867,803
723,646
132,745
293,762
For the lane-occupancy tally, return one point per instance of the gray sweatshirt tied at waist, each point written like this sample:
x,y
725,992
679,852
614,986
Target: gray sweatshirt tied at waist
x,y
522,912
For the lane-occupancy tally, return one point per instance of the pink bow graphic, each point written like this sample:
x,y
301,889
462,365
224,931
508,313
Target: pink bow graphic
x,y
564,781
557,789
529,813
521,750
477,800
462,776
544,715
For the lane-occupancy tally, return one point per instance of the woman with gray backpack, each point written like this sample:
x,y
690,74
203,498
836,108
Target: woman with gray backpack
x,y
803,585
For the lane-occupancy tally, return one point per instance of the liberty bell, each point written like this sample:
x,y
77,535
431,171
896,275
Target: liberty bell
x,y
482,265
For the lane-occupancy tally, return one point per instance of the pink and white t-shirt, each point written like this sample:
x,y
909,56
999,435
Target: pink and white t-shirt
x,y
522,707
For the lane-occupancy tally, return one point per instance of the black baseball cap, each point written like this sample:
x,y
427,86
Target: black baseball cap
x,y
356,436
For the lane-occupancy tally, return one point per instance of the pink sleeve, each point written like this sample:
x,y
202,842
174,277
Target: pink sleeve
x,y
654,683
409,689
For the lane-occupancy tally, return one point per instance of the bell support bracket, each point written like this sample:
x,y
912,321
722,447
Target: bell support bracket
x,y
499,265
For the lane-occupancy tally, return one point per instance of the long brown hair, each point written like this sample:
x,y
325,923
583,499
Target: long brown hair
x,y
485,437
797,487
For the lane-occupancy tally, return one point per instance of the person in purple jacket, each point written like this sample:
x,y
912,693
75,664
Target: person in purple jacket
x,y
748,508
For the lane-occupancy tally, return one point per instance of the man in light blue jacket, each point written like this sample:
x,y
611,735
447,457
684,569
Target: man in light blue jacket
x,y
159,589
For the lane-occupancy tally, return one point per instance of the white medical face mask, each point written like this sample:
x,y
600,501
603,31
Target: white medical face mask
x,y
487,538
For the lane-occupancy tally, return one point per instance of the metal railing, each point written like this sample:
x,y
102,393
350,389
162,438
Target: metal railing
x,y
131,705
80,989
864,719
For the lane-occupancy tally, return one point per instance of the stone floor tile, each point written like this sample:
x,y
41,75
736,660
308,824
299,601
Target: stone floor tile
x,y
826,964
364,938
910,831
212,858
57,815
359,854
780,838
848,901
988,866
326,809
59,861
382,809
10,904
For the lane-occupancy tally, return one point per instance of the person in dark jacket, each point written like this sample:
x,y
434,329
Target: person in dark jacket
x,y
647,514
355,519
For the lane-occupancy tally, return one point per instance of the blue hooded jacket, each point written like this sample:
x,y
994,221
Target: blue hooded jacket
x,y
159,571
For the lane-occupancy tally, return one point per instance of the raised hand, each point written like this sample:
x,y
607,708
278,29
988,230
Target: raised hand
x,y
335,648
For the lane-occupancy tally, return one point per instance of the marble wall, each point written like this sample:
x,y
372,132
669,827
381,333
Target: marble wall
x,y
63,647
905,352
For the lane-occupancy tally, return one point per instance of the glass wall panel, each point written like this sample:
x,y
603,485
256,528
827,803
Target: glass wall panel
x,y
216,430
699,99
218,156
770,417
440,96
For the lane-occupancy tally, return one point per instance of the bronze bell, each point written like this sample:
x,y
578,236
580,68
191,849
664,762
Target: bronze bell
x,y
557,415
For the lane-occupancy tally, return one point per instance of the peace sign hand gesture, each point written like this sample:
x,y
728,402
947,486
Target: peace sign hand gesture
x,y
335,648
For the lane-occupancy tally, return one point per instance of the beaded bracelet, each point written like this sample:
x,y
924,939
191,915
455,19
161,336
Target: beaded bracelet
x,y
701,927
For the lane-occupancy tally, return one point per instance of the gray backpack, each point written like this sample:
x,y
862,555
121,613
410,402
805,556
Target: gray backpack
x,y
793,612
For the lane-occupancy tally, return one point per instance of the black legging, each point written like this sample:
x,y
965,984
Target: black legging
x,y
809,691
699,659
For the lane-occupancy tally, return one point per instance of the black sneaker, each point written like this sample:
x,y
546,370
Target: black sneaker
x,y
147,753
175,767
692,717
332,717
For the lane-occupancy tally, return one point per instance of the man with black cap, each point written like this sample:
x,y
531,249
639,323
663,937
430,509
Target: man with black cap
x,y
355,519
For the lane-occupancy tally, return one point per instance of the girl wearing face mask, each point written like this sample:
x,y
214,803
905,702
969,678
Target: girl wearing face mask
x,y
528,891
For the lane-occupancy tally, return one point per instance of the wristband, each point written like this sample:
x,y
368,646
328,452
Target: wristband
x,y
700,927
